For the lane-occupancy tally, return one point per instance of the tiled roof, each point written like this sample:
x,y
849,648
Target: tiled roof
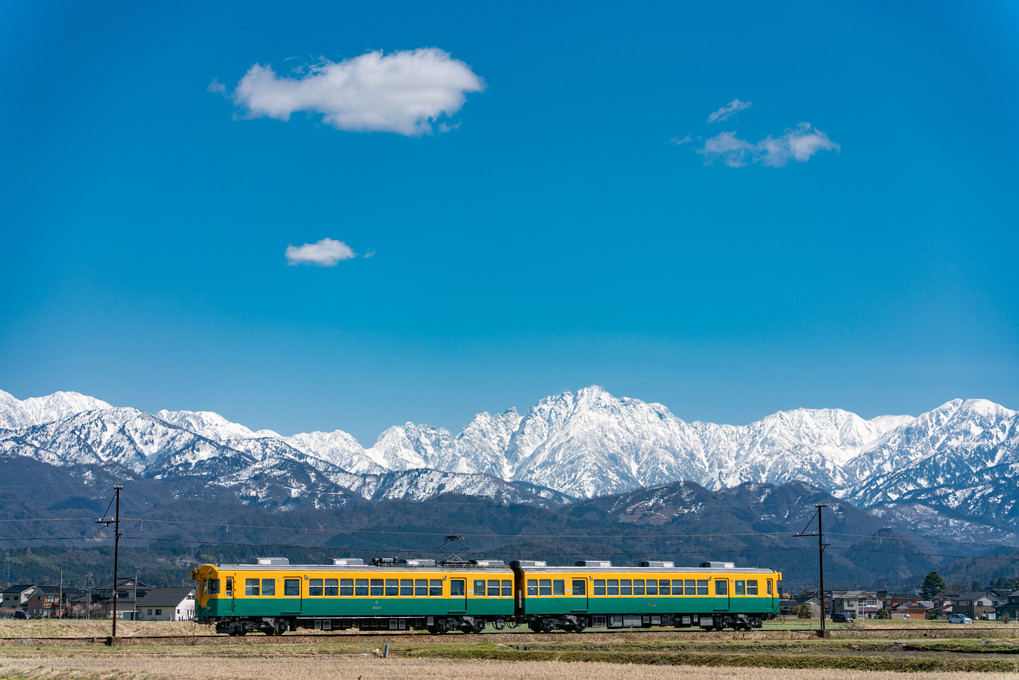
x,y
164,597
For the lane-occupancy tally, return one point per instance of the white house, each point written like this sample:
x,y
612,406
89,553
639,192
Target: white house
x,y
166,604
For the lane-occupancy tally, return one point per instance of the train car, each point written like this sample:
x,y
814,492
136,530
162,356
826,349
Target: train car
x,y
715,595
274,596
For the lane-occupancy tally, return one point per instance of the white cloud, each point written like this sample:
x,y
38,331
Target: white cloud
x,y
798,144
216,87
680,142
729,110
402,92
325,253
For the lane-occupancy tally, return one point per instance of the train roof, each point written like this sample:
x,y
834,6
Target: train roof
x,y
593,566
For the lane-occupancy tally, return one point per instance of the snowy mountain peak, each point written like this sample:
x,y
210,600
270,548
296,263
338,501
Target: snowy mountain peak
x,y
16,413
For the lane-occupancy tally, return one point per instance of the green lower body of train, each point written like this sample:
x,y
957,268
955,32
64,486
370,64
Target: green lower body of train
x,y
274,616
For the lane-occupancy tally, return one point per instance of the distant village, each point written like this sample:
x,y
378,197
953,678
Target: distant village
x,y
136,601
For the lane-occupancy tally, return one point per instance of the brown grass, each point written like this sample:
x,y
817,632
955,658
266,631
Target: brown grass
x,y
100,667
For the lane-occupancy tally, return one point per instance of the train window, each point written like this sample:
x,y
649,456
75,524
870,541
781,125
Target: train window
x,y
421,587
677,587
532,587
751,587
638,586
376,588
652,587
214,586
435,587
346,587
292,587
545,587
741,588
493,588
613,587
479,589
456,588
559,587
579,587
689,587
626,587
702,587
663,587
361,587
406,587
229,587
315,587
269,587
507,588
251,587
767,581
721,587
392,587
332,588
599,586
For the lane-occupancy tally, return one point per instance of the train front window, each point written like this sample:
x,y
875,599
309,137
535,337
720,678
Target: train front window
x,y
292,587
251,587
212,586
751,587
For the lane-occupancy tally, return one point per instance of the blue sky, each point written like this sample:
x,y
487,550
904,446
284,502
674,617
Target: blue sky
x,y
551,209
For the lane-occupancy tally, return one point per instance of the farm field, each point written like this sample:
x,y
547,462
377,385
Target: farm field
x,y
28,650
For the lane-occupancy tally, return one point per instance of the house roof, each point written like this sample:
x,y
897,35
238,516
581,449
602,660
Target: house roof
x,y
20,588
164,597
977,594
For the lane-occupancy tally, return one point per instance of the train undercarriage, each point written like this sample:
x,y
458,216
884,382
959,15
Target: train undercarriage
x,y
438,625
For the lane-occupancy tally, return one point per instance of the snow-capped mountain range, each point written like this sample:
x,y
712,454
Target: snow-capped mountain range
x,y
961,459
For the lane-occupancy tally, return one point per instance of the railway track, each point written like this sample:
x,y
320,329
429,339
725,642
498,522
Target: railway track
x,y
521,634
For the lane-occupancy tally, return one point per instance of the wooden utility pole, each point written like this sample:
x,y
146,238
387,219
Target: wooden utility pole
x,y
116,553
821,545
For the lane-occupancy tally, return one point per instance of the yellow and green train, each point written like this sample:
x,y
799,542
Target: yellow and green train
x,y
274,596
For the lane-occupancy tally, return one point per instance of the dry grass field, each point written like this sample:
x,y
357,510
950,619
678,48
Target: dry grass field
x,y
33,649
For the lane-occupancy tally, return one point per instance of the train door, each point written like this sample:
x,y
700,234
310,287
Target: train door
x,y
292,599
579,601
723,591
457,596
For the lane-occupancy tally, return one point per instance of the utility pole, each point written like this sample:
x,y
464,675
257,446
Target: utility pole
x,y
821,545
116,553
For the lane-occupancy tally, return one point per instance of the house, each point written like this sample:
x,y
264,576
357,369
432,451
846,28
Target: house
x,y
46,601
862,604
15,597
978,605
1009,611
167,604
128,589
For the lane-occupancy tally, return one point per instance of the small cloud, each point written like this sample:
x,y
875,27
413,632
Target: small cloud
x,y
325,253
370,253
729,110
216,87
443,127
799,144
403,92
680,142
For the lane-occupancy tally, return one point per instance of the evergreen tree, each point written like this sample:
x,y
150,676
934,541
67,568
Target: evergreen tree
x,y
931,586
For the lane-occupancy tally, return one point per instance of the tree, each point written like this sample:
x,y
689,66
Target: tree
x,y
803,611
975,586
883,614
932,585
